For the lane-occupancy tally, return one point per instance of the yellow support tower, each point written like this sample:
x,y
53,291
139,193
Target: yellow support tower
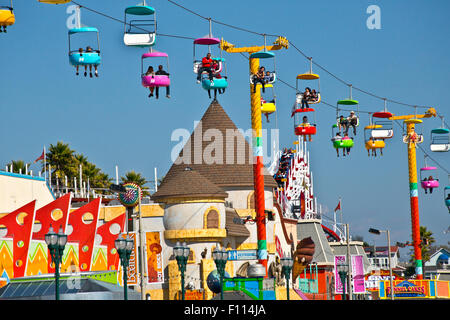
x,y
258,176
411,139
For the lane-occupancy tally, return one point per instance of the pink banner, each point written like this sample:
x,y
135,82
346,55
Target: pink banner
x,y
337,279
358,274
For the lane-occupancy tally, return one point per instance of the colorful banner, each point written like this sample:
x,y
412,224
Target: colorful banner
x,y
109,233
23,251
132,274
155,272
338,286
358,274
83,222
17,226
54,214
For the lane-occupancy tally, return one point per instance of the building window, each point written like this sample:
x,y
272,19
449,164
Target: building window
x,y
251,200
212,219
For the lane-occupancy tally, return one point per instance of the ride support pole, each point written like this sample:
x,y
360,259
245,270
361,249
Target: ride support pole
x,y
258,175
414,201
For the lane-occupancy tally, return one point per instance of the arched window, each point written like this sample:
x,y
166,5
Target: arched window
x,y
212,219
251,200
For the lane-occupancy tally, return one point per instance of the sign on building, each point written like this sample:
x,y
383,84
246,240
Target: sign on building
x,y
132,274
154,257
243,254
358,285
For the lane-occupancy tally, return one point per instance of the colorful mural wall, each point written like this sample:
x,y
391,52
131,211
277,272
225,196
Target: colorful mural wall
x,y
23,251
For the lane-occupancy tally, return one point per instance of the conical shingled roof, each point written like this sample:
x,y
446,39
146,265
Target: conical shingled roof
x,y
188,183
234,167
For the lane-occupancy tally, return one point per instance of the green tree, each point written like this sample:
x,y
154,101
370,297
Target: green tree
x,y
62,161
427,240
132,176
18,165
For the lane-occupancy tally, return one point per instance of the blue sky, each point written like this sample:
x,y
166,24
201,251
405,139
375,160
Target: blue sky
x,y
113,122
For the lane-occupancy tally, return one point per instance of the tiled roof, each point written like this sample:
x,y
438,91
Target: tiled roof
x,y
381,249
323,253
234,229
188,183
233,165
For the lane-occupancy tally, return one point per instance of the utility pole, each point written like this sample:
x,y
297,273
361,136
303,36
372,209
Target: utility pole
x,y
390,266
141,246
349,262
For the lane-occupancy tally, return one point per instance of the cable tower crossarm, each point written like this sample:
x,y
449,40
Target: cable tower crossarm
x,y
280,43
431,112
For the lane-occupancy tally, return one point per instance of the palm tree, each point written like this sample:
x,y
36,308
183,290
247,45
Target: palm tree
x,y
81,159
132,176
427,240
103,180
18,165
61,159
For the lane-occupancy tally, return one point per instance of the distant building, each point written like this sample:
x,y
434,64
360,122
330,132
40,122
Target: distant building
x,y
438,267
379,259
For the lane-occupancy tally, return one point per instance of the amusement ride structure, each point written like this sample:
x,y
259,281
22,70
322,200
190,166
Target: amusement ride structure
x,y
291,168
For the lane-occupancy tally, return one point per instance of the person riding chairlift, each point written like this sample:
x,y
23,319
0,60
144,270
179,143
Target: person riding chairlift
x,y
347,149
306,97
314,95
430,178
162,72
150,72
352,121
259,78
343,124
374,150
89,50
305,123
337,137
206,66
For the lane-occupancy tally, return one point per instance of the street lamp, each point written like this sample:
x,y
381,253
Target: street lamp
x,y
124,248
220,257
286,267
56,243
181,253
378,232
342,269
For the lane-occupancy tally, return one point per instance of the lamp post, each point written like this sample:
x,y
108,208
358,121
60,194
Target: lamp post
x,y
342,271
378,232
220,257
124,248
181,253
56,243
286,267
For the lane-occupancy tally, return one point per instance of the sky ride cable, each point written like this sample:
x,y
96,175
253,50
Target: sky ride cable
x,y
219,22
261,34
129,24
348,84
